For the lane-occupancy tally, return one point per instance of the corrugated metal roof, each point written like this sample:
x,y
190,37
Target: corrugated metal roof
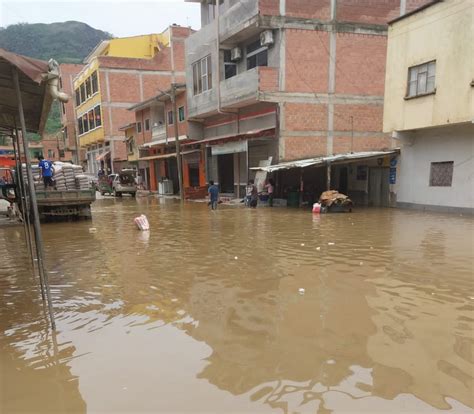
x,y
312,162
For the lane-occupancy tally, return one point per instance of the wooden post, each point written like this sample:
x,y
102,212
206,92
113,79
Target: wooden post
x,y
34,205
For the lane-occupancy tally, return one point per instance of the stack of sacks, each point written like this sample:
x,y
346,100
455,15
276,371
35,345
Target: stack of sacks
x,y
38,181
60,180
82,182
68,173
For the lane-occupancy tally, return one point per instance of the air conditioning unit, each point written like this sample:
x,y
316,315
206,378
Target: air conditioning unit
x,y
266,38
236,54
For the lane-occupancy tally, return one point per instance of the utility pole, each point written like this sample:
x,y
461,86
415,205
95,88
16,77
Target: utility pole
x,y
176,134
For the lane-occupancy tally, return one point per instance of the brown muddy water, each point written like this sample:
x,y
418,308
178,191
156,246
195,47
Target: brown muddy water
x,y
204,314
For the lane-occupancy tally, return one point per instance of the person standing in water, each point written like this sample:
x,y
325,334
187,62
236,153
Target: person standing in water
x,y
213,192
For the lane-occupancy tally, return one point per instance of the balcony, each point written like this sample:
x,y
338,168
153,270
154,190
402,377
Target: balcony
x,y
158,132
245,88
242,20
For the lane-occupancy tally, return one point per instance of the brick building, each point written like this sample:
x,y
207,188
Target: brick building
x,y
151,143
290,80
120,73
54,148
68,72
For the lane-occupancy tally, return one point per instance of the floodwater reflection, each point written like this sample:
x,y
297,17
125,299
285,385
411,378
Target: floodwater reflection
x,y
204,314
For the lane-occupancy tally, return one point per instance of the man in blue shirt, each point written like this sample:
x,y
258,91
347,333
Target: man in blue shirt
x,y
47,171
213,194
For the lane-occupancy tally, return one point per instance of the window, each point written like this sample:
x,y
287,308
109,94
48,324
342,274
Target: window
x,y
202,75
257,55
139,127
98,116
95,83
130,145
421,79
80,126
83,92
170,118
181,115
230,68
147,124
91,117
78,97
65,133
85,123
50,153
441,174
88,88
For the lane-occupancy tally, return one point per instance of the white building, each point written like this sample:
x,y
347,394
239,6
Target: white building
x,y
429,105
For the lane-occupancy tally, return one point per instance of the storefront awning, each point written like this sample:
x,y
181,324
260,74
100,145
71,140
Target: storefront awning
x,y
257,133
163,156
103,156
332,159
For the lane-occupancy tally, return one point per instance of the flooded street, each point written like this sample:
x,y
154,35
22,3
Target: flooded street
x,y
204,313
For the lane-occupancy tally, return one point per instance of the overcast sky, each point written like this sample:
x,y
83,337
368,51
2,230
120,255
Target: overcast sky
x,y
121,18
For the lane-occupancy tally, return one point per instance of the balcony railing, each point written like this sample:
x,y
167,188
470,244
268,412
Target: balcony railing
x,y
244,88
158,132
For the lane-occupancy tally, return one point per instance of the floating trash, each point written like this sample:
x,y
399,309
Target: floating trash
x,y
331,244
92,230
301,291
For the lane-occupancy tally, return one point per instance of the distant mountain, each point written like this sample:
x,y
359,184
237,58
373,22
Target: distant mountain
x,y
67,42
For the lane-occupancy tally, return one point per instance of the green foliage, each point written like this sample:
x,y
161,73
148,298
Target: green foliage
x,y
67,42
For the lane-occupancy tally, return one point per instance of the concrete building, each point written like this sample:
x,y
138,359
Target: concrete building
x,y
68,72
282,80
151,143
429,105
117,74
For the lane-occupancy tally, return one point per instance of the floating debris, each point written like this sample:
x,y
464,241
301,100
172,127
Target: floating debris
x,y
301,291
331,244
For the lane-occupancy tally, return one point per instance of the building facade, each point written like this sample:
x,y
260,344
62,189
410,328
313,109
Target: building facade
x,y
279,80
116,75
151,143
429,105
68,72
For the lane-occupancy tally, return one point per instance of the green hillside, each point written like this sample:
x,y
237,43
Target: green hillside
x,y
68,42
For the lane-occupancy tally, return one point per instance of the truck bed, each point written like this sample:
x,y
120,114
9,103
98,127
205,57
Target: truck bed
x,y
65,198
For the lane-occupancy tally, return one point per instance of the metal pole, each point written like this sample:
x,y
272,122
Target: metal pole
x,y
34,205
178,146
24,203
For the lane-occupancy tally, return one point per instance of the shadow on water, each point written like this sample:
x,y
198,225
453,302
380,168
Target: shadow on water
x,y
204,312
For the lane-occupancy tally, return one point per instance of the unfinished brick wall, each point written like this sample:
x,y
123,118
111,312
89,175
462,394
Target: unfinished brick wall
x,y
304,147
305,117
366,118
314,9
269,7
360,64
268,79
307,61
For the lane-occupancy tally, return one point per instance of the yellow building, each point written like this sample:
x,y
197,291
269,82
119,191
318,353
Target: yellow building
x,y
108,84
429,104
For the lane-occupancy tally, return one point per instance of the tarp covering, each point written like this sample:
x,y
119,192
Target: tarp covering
x,y
36,100
313,162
